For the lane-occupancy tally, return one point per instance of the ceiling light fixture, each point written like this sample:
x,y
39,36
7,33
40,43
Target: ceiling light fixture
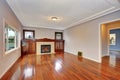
x,y
54,18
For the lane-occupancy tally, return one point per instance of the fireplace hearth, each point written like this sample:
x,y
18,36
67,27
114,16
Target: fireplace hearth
x,y
45,48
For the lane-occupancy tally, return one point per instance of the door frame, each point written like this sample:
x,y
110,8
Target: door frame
x,y
100,36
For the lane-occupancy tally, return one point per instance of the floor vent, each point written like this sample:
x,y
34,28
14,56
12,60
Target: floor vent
x,y
80,53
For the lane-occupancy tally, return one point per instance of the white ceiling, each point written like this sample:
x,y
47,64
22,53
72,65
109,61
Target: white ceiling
x,y
36,13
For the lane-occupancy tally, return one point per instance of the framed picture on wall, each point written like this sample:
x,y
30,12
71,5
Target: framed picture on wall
x,y
113,39
28,34
58,35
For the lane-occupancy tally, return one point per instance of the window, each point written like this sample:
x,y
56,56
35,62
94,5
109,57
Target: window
x,y
11,38
28,34
59,35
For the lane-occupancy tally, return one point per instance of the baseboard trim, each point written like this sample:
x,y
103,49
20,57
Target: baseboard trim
x,y
85,57
9,67
105,55
92,59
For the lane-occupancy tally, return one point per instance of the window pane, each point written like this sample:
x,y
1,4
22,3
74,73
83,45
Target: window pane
x,y
11,40
6,38
17,39
28,35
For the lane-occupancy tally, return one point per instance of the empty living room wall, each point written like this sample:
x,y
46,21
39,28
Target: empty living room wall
x,y
6,15
43,32
86,37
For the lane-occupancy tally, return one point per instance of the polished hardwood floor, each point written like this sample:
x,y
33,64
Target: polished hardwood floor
x,y
64,67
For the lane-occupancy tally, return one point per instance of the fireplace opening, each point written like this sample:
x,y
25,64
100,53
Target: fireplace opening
x,y
45,48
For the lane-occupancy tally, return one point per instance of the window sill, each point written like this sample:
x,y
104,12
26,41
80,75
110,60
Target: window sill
x,y
10,51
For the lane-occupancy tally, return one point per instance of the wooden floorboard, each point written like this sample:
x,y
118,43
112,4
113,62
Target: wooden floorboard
x,y
64,67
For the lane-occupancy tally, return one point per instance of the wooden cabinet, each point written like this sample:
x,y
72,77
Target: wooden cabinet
x,y
31,46
59,42
28,47
59,45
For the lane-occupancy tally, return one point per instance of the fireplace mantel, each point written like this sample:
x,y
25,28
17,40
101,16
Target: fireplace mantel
x,y
30,46
39,45
58,44
45,40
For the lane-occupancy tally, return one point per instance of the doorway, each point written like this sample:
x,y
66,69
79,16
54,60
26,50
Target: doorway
x,y
110,43
110,37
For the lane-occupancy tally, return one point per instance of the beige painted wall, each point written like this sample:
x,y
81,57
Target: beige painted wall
x,y
86,37
43,32
104,40
113,25
7,60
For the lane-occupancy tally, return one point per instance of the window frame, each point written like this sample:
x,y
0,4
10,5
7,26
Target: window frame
x,y
16,38
32,31
59,35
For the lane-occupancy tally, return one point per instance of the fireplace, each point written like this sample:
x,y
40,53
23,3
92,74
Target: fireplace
x,y
45,48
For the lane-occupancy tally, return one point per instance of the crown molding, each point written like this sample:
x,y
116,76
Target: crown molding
x,y
100,14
